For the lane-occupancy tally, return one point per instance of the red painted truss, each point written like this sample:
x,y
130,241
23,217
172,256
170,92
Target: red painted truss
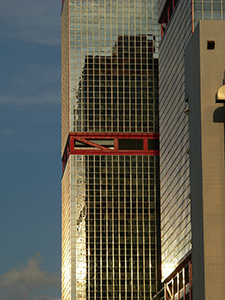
x,y
91,143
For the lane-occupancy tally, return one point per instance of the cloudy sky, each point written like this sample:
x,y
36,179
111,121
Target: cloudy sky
x,y
30,149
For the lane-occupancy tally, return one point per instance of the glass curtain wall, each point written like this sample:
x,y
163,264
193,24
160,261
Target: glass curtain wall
x,y
110,203
104,29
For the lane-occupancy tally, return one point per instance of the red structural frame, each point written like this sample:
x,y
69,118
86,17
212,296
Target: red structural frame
x,y
186,262
192,16
166,14
85,138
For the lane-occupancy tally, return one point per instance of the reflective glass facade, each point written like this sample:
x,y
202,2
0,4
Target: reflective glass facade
x,y
113,246
174,157
122,38
209,10
178,20
110,201
202,9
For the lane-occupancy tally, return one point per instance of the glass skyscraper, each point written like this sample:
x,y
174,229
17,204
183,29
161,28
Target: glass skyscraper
x,y
110,150
178,20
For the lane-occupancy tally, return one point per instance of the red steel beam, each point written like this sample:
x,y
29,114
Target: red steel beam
x,y
83,140
112,135
113,152
84,137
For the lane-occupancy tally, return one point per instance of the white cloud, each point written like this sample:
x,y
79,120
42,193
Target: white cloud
x,y
35,21
28,282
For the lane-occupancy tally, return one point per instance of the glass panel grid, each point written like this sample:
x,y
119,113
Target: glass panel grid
x,y
208,10
110,221
174,142
113,66
121,226
110,84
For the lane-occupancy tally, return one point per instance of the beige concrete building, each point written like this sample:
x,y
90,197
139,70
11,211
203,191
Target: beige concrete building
x,y
204,75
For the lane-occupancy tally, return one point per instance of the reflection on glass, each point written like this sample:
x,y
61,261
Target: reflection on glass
x,y
110,206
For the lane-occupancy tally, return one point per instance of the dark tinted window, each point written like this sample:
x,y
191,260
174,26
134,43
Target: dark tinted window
x,y
130,144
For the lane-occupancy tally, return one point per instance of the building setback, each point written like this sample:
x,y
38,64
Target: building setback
x,y
186,107
110,150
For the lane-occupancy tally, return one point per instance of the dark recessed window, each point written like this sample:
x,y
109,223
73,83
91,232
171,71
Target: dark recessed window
x,y
210,45
153,144
130,144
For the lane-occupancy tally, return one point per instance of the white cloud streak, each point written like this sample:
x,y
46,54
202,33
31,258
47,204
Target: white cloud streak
x,y
28,282
36,21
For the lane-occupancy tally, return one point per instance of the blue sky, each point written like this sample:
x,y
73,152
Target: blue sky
x,y
30,150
